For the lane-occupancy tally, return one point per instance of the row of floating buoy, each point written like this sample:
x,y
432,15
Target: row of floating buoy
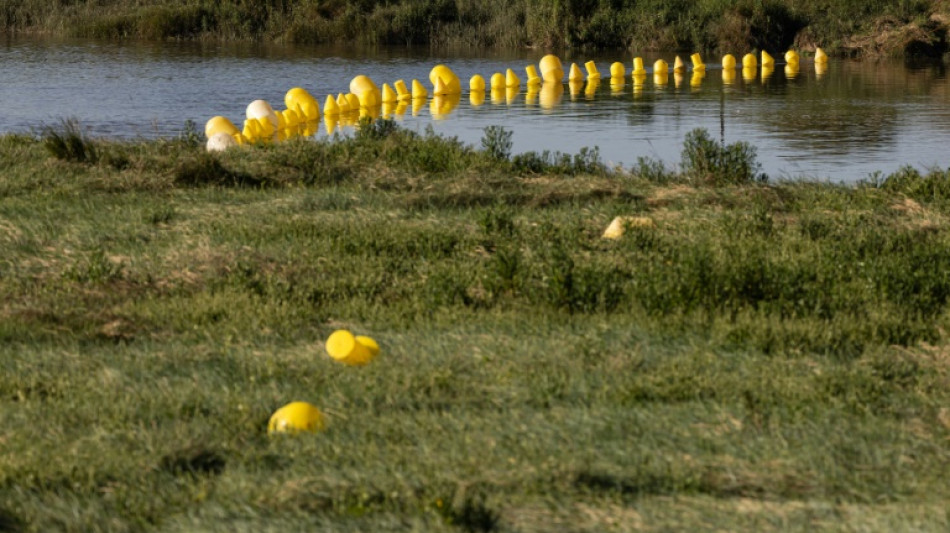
x,y
302,110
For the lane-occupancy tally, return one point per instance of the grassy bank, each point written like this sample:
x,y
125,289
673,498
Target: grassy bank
x,y
841,26
764,357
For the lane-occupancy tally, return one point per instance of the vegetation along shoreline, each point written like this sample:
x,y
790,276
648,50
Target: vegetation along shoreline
x,y
844,28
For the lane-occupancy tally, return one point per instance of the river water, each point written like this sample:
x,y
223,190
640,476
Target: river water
x,y
842,125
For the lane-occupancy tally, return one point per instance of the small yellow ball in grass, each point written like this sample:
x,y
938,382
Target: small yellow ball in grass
x,y
296,417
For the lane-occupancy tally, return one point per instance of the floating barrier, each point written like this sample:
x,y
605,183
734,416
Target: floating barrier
x,y
575,73
476,83
220,141
697,62
296,417
219,124
617,70
511,79
532,72
419,90
366,100
592,72
497,81
450,82
678,66
389,95
638,66
402,92
331,107
551,69
365,90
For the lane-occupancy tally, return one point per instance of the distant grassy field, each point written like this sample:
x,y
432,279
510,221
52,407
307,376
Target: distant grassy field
x,y
862,28
766,357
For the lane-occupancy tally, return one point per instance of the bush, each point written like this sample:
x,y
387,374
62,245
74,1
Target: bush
x,y
69,143
707,162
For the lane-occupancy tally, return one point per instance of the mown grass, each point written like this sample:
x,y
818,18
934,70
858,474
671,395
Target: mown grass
x,y
769,356
911,27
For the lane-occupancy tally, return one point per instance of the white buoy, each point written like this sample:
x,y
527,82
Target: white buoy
x,y
220,142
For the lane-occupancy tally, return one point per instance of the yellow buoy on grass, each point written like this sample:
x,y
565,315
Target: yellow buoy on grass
x,y
296,417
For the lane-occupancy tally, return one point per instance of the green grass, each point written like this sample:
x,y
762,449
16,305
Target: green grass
x,y
769,357
878,27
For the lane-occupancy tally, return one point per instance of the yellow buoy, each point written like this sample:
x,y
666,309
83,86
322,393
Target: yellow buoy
x,y
389,95
402,92
767,60
450,82
511,79
619,225
532,73
749,61
551,68
267,127
638,66
343,346
291,119
219,124
439,89
354,101
575,73
252,130
617,70
661,77
728,62
820,56
331,107
296,417
661,66
497,81
367,93
477,83
697,62
419,90
298,98
592,72
342,103
220,141
678,66
260,109
791,57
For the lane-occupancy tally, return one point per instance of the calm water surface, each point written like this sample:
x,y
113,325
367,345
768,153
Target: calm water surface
x,y
854,119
